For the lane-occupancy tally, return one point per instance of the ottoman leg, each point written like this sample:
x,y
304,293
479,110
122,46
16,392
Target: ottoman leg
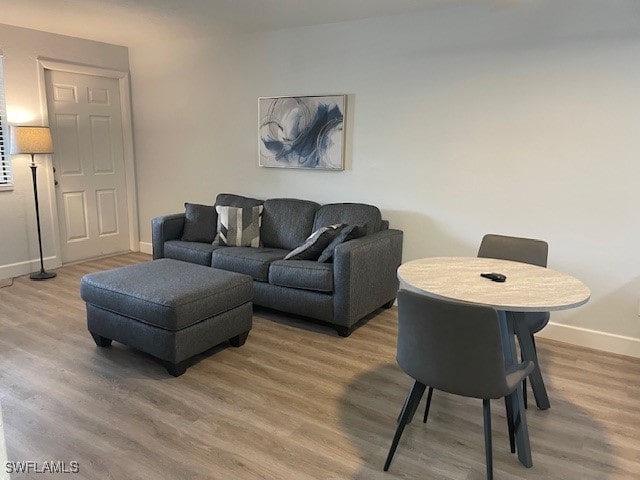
x,y
389,304
343,331
175,369
101,341
239,340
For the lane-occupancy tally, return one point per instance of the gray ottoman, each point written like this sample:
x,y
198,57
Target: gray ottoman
x,y
169,309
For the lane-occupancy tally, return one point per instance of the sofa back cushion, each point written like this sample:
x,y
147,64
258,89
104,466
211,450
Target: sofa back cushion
x,y
232,200
287,222
350,214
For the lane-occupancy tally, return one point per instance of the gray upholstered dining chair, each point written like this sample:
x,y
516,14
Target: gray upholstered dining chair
x,y
456,348
525,250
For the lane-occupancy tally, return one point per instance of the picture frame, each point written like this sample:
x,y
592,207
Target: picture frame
x,y
302,132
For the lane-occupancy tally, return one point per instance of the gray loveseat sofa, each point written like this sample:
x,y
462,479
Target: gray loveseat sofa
x,y
361,278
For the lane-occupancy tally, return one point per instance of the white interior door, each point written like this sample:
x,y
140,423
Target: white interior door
x,y
86,125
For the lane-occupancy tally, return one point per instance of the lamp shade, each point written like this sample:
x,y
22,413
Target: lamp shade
x,y
31,140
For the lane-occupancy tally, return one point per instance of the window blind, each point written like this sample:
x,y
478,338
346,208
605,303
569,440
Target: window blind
x,y
5,166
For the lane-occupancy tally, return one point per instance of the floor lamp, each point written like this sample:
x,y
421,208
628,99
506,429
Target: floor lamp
x,y
32,140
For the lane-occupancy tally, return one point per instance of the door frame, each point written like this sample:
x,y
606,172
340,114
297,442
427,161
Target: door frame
x,y
127,138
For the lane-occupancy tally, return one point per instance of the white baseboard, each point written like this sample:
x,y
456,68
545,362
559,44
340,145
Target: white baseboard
x,y
584,337
22,268
146,247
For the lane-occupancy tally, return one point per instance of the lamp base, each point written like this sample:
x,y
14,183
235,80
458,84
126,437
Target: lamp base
x,y
42,275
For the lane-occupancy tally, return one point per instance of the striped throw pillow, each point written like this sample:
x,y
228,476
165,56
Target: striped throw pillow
x,y
239,227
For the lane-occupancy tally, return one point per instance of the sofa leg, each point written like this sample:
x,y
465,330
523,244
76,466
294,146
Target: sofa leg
x,y
389,304
175,369
239,340
343,331
100,341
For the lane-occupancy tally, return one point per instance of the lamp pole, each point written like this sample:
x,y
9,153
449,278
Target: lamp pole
x,y
41,275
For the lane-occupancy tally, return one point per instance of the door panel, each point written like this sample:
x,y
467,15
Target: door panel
x,y
68,145
107,212
98,96
101,144
86,125
76,218
65,93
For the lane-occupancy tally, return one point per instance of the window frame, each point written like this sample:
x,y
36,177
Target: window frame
x,y
6,174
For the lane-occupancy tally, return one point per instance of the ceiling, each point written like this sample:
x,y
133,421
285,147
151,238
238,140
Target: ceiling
x,y
127,22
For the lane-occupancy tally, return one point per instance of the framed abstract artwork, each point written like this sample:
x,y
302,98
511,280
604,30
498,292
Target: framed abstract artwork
x,y
302,132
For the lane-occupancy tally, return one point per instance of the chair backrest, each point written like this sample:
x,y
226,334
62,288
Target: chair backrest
x,y
516,249
451,346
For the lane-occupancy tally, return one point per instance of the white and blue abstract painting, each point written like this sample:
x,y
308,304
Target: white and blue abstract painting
x,y
302,132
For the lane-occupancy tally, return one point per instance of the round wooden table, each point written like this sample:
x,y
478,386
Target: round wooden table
x,y
528,288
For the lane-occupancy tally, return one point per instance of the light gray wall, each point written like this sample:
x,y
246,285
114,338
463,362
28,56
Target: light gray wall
x,y
462,121
20,49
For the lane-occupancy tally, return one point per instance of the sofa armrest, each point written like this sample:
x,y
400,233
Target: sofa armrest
x,y
163,229
365,274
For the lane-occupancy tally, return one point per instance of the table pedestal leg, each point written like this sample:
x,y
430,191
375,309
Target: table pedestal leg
x,y
529,353
519,416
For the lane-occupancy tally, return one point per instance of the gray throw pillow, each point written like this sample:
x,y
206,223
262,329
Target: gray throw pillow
x,y
315,243
199,223
347,233
239,227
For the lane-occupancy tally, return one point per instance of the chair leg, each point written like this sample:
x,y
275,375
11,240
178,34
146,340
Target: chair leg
x,y
415,394
512,438
414,408
404,407
412,411
486,409
426,409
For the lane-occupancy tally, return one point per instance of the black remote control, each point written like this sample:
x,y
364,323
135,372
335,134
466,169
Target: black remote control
x,y
496,277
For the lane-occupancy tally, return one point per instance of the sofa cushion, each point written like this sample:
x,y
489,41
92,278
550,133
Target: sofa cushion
x,y
247,260
233,200
239,227
199,223
303,274
193,252
349,213
346,233
287,222
315,244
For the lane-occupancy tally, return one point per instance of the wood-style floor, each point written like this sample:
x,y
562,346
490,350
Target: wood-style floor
x,y
295,402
